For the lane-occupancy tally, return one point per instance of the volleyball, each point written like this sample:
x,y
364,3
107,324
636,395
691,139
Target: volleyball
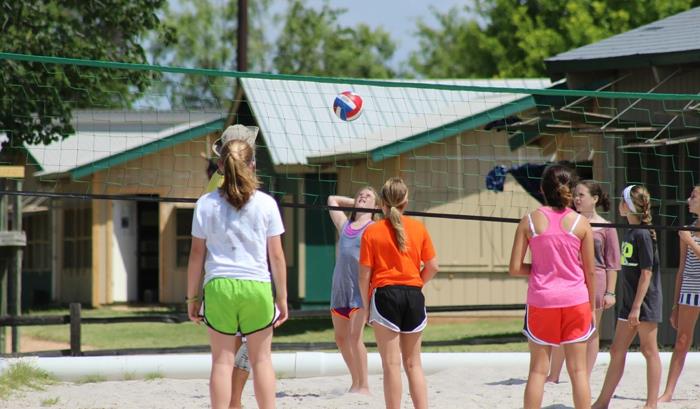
x,y
347,106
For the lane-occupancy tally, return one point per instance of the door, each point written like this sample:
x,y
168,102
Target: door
x,y
147,251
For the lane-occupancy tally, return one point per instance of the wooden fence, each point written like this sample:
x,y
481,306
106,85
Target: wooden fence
x,y
75,320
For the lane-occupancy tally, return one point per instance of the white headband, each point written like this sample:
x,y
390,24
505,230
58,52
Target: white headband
x,y
627,195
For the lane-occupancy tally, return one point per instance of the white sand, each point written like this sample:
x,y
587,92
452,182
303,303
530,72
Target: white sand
x,y
467,387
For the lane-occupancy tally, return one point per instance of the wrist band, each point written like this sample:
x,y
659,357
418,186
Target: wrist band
x,y
192,299
610,293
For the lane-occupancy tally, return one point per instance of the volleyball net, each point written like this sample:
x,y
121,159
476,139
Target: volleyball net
x,y
471,150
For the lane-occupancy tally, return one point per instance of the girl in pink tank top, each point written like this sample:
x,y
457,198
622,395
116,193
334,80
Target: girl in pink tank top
x,y
561,293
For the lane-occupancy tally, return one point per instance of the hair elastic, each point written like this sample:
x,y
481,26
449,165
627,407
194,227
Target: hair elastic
x,y
627,195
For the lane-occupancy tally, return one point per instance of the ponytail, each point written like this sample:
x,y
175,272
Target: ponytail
x,y
557,186
394,195
240,181
642,206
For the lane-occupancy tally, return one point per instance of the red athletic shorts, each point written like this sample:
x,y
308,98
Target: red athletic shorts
x,y
556,326
344,312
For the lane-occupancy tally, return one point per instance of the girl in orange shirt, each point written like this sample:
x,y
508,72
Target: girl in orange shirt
x,y
391,277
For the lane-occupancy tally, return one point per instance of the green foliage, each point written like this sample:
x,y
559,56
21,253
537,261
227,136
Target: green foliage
x,y
312,42
94,378
152,376
50,402
512,38
207,37
21,375
110,30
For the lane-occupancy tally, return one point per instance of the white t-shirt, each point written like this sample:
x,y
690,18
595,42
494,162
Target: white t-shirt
x,y
236,240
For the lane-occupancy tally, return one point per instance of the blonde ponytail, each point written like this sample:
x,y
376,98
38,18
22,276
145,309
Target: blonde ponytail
x,y
240,181
394,195
642,204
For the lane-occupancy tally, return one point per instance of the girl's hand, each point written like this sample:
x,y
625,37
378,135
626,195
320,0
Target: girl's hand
x,y
284,314
608,301
633,318
674,317
193,309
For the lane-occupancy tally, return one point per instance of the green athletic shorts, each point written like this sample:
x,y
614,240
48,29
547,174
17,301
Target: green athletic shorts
x,y
232,305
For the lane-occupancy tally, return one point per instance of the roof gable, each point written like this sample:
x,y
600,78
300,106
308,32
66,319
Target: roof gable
x,y
108,138
673,40
299,126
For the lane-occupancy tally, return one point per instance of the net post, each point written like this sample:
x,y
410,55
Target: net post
x,y
75,329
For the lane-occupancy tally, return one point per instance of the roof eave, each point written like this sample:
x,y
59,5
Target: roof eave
x,y
451,129
558,68
147,149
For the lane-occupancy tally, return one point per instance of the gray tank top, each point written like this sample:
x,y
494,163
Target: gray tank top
x,y
345,291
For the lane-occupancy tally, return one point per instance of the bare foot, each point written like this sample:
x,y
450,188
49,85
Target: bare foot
x,y
599,405
648,406
666,397
361,391
551,379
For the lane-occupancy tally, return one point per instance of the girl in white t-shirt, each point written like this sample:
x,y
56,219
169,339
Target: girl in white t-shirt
x,y
234,230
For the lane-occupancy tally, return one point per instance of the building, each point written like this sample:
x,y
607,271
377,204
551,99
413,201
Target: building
x,y
107,251
631,140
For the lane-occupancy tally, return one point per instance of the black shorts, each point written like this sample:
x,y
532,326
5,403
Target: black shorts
x,y
399,308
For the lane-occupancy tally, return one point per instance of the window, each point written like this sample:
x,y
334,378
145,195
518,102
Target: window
x,y
183,236
37,253
77,238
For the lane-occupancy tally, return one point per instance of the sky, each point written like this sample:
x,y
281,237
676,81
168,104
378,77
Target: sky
x,y
397,17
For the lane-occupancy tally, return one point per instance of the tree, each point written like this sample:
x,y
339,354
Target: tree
x,y
312,42
37,99
207,38
512,38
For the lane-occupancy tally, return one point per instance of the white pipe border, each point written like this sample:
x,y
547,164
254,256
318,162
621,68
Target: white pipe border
x,y
287,365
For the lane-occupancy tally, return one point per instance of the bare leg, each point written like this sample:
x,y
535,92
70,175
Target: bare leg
x,y
222,358
539,366
410,354
649,347
555,365
240,377
359,353
577,367
687,318
624,334
260,354
341,327
390,351
594,344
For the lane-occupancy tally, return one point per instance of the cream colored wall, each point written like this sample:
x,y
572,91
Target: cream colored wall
x,y
178,171
449,177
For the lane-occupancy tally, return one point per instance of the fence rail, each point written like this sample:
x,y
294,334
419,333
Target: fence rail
x,y
75,320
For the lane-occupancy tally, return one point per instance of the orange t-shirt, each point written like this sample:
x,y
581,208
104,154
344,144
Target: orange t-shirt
x,y
380,252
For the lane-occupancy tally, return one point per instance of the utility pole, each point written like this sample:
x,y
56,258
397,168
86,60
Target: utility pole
x,y
242,43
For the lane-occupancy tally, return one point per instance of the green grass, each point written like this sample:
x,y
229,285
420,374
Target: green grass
x,y
157,335
91,379
152,376
21,375
49,402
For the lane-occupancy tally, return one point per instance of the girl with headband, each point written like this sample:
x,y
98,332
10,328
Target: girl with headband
x,y
640,310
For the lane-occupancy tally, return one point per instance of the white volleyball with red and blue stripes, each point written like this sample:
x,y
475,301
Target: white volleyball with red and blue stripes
x,y
347,106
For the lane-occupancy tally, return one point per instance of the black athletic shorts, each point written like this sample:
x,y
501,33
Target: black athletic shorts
x,y
399,308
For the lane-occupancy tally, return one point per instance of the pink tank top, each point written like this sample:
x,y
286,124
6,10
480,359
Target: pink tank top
x,y
556,276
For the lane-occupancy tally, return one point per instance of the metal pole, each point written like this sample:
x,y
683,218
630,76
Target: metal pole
x,y
75,329
242,43
15,267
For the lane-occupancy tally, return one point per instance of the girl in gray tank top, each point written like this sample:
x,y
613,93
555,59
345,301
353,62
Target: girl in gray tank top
x,y
348,316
